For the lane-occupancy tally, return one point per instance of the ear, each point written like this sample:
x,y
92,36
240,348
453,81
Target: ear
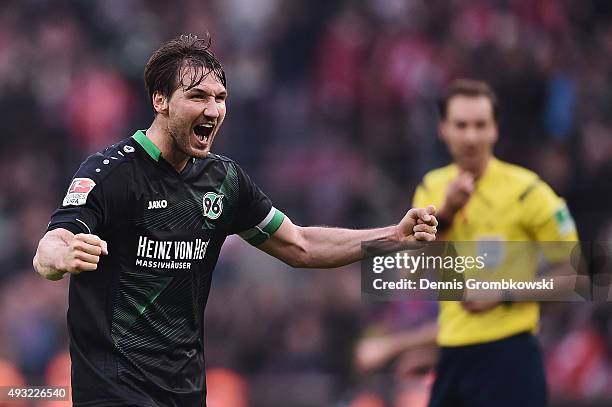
x,y
442,131
496,135
160,102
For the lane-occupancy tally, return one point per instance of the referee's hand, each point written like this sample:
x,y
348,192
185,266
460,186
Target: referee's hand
x,y
458,194
83,253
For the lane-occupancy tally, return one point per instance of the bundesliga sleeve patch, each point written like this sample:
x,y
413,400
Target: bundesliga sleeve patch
x,y
564,220
78,191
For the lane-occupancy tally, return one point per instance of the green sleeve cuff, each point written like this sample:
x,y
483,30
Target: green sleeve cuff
x,y
266,228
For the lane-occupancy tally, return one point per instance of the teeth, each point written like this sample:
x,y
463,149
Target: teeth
x,y
208,126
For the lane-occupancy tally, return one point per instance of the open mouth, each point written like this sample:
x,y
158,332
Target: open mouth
x,y
203,131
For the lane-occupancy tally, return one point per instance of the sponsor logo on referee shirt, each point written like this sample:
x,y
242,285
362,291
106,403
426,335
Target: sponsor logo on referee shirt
x,y
78,191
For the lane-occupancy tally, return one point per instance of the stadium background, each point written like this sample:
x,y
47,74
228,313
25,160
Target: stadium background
x,y
332,112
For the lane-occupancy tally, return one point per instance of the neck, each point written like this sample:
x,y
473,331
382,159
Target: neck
x,y
159,134
480,170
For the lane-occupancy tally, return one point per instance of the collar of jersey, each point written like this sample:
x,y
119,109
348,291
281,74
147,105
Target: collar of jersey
x,y
151,149
491,169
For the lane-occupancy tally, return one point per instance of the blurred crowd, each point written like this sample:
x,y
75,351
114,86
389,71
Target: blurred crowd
x,y
332,111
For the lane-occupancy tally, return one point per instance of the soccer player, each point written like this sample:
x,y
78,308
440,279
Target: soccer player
x,y
140,230
488,353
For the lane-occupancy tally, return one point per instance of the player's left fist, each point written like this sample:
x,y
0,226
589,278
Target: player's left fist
x,y
419,224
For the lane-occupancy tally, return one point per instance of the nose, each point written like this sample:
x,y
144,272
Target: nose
x,y
470,136
211,110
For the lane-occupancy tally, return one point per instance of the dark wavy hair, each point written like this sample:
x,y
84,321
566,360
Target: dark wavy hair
x,y
469,88
184,61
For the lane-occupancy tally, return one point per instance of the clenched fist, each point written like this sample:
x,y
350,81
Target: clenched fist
x,y
60,252
418,224
458,192
83,253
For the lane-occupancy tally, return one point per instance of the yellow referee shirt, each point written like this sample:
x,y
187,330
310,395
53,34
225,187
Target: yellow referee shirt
x,y
509,203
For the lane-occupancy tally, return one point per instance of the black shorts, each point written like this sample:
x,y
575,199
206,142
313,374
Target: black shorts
x,y
508,372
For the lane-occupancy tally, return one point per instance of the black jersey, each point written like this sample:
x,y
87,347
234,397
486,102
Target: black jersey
x,y
135,323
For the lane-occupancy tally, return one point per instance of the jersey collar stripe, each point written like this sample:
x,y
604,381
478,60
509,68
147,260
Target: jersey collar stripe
x,y
151,149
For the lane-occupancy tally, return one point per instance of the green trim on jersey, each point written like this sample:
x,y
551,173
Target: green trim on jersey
x,y
266,228
144,290
229,191
147,144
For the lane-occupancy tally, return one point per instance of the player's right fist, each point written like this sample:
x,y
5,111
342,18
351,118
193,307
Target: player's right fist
x,y
83,253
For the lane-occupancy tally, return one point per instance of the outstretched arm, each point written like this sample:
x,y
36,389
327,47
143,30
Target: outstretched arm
x,y
319,247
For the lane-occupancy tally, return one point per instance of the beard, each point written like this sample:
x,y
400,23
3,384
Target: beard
x,y
182,143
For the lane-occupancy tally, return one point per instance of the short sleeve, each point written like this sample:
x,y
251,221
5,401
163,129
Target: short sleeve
x,y
548,219
256,218
545,215
83,209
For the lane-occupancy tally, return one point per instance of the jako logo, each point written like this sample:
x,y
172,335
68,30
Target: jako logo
x,y
158,204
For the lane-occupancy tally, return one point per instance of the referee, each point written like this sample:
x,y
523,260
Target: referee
x,y
489,355
140,230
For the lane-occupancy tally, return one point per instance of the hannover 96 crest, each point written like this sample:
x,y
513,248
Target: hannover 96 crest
x,y
213,205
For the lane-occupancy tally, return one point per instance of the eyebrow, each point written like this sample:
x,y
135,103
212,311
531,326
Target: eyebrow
x,y
207,92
